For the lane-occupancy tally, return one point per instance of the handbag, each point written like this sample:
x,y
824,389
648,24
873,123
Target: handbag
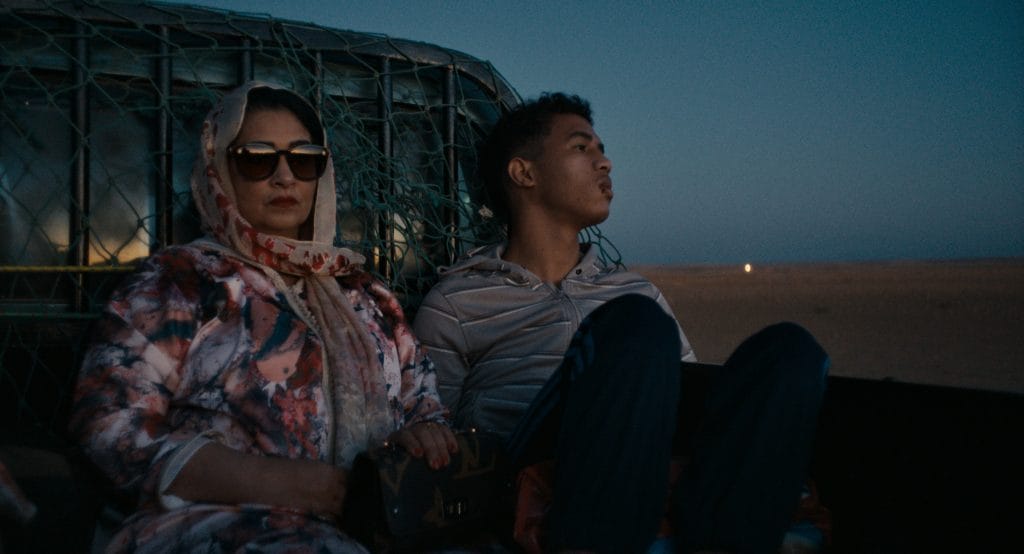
x,y
397,503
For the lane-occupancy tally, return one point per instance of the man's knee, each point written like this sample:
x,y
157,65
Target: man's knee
x,y
785,353
639,318
798,351
634,341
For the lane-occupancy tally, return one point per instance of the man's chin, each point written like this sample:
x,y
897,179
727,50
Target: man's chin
x,y
599,219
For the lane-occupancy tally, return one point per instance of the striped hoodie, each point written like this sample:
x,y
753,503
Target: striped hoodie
x,y
496,332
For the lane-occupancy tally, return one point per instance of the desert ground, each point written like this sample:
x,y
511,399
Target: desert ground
x,y
948,323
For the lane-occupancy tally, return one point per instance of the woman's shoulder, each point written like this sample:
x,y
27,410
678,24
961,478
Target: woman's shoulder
x,y
179,263
190,278
200,258
180,270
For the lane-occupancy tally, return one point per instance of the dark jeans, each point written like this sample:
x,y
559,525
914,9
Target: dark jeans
x,y
616,406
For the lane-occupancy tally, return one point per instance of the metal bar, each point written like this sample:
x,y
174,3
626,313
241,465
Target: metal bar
x,y
35,316
451,167
66,269
165,147
318,86
384,225
245,67
78,232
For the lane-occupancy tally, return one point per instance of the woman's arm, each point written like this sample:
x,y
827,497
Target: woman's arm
x,y
128,382
218,474
131,372
424,431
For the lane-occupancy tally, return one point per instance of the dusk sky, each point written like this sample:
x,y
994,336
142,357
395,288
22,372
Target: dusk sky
x,y
764,131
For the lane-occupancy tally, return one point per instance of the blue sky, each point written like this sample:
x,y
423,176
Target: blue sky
x,y
765,131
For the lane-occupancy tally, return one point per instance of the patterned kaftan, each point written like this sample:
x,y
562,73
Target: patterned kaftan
x,y
198,343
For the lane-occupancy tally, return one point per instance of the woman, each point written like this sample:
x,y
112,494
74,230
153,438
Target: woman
x,y
234,379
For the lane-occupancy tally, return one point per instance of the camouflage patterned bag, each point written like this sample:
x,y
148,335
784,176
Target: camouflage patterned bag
x,y
397,503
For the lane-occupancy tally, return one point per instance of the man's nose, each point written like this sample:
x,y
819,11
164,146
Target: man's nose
x,y
604,163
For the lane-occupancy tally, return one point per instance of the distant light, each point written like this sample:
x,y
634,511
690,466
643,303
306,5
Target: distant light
x,y
747,268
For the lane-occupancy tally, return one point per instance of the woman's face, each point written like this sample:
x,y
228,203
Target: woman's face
x,y
280,203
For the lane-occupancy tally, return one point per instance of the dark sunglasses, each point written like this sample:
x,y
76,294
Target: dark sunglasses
x,y
257,161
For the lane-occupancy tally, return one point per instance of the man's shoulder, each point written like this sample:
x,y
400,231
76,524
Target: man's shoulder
x,y
607,281
482,285
480,267
608,274
473,287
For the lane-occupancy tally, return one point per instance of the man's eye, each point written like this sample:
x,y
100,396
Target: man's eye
x,y
581,147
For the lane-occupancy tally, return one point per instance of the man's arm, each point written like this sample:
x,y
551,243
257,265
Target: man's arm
x,y
687,354
440,332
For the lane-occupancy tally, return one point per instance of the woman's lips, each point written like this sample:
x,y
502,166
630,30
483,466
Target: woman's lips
x,y
284,202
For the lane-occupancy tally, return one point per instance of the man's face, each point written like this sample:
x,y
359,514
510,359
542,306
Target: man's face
x,y
572,173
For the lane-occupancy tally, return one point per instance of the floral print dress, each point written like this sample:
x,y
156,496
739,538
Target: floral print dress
x,y
198,346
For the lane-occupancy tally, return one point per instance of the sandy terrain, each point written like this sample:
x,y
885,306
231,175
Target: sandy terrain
x,y
955,323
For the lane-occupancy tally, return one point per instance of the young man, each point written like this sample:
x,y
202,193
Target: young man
x,y
572,359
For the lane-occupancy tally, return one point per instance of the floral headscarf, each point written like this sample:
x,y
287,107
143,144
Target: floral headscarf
x,y
353,373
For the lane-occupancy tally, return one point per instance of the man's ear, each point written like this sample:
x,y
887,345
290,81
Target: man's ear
x,y
520,172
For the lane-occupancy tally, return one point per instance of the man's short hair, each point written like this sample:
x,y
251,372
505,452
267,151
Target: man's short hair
x,y
520,133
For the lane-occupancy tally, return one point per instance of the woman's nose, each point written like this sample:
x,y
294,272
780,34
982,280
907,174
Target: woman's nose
x,y
283,172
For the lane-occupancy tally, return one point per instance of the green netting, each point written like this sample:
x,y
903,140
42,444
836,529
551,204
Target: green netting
x,y
100,109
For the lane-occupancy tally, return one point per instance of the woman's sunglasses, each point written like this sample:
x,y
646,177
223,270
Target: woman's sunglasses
x,y
257,161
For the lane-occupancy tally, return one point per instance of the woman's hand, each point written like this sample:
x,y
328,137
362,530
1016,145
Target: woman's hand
x,y
434,441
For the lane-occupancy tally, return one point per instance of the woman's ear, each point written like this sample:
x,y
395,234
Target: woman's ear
x,y
520,172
